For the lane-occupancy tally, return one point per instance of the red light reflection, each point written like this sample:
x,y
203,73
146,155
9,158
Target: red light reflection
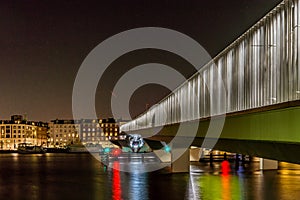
x,y
117,190
116,152
225,167
226,193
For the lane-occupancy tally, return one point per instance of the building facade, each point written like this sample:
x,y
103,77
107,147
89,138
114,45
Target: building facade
x,y
110,128
19,130
84,131
64,132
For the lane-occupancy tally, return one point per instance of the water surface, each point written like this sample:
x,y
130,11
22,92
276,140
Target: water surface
x,y
81,176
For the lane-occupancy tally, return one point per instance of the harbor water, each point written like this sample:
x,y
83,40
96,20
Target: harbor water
x,y
81,176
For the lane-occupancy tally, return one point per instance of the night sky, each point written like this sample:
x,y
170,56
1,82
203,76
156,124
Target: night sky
x,y
43,44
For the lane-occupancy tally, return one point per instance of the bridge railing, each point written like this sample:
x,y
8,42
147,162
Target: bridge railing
x,y
258,69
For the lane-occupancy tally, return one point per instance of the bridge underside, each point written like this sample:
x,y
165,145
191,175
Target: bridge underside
x,y
282,151
271,132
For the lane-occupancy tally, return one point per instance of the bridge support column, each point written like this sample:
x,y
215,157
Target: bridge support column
x,y
266,164
195,154
163,156
182,164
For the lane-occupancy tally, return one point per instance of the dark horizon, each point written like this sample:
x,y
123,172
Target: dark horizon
x,y
44,43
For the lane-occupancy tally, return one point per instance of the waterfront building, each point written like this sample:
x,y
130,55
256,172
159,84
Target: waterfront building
x,y
91,132
85,131
18,130
64,132
110,128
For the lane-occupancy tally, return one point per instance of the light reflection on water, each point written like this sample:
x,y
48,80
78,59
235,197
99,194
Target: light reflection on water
x,y
80,176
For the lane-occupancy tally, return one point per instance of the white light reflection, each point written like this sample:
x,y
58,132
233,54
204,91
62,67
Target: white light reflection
x,y
138,186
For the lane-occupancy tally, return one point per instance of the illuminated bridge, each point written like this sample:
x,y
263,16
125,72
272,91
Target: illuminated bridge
x,y
247,98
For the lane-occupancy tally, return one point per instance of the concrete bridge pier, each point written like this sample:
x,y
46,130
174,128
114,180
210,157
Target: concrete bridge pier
x,y
267,164
182,164
195,154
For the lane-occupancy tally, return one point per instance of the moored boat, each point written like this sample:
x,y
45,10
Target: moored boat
x,y
28,148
